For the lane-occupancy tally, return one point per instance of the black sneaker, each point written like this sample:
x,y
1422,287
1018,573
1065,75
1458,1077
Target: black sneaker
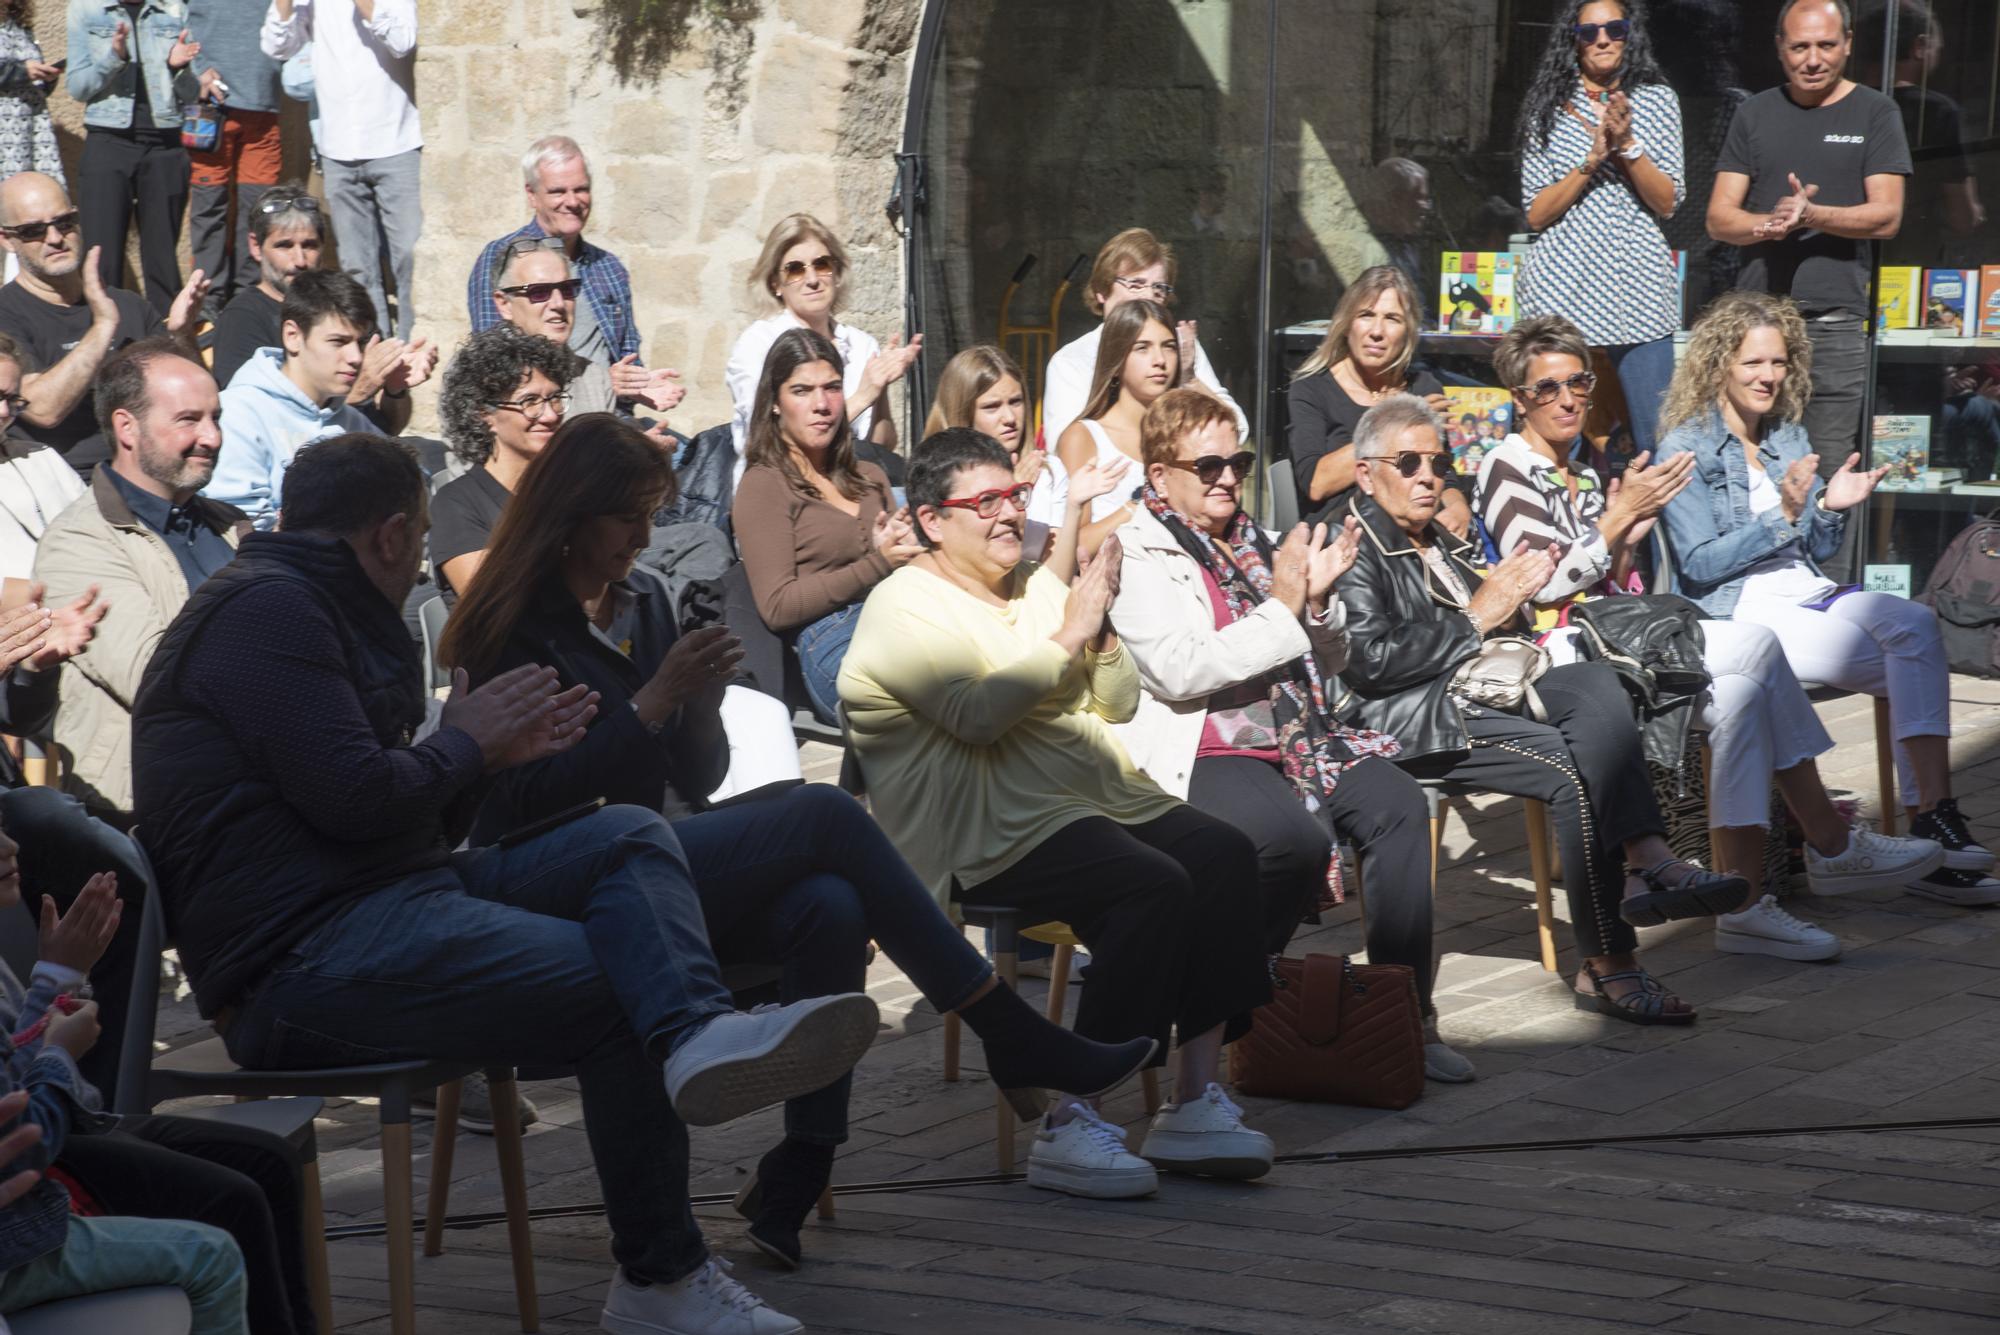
x,y
1943,823
1964,889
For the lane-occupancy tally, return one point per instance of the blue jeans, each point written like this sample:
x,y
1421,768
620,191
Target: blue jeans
x,y
821,648
803,880
583,948
103,1254
1644,372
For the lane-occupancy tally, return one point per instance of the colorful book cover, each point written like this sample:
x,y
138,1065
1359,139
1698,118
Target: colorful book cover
x,y
1951,301
1479,420
1898,291
1904,444
1989,301
1476,292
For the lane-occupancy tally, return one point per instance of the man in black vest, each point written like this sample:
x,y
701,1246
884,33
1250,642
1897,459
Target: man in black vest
x,y
303,843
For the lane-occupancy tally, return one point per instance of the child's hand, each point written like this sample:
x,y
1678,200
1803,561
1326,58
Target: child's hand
x,y
75,1033
78,938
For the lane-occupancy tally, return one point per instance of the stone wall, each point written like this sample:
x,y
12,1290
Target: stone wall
x,y
719,117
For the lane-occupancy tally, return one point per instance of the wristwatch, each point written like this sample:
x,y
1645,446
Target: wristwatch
x,y
1634,153
652,728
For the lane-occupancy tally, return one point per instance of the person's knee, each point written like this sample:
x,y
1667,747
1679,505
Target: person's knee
x,y
631,825
824,915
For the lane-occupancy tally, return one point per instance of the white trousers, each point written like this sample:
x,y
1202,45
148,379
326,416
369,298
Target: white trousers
x,y
1875,643
1758,719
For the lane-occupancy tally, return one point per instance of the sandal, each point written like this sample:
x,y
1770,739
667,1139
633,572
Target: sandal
x,y
1694,892
1644,1004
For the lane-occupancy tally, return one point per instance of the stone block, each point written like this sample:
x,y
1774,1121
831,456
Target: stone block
x,y
650,199
836,21
729,202
796,94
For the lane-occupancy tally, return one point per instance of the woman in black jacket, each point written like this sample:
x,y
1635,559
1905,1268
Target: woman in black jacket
x,y
1418,613
803,879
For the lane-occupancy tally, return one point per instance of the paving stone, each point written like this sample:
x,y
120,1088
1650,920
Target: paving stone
x,y
1449,1318
1910,1194
1843,1313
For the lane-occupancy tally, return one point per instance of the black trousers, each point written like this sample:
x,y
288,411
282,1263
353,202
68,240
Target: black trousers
x,y
1172,911
1586,762
147,168
62,846
236,1178
1376,809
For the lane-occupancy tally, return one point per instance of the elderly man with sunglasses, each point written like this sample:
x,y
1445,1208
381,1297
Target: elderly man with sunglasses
x,y
510,283
1419,615
68,322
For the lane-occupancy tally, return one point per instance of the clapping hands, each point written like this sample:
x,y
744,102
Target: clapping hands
x,y
1850,486
1791,212
895,537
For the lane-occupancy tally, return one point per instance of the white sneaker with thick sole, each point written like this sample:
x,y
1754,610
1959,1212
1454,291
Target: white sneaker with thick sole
x,y
1086,1156
1766,929
1965,889
1207,1136
708,1302
1446,1064
1872,861
746,1060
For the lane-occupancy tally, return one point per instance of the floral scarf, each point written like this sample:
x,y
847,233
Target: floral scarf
x,y
1314,748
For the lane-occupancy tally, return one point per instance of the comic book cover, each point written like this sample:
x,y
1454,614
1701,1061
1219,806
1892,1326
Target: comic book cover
x,y
1898,289
1476,292
1479,420
1989,301
1951,301
1904,444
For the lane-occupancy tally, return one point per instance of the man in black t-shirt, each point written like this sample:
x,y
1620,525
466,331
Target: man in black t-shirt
x,y
59,310
1942,207
1809,175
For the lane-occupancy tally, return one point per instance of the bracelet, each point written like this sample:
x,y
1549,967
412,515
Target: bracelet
x,y
1634,153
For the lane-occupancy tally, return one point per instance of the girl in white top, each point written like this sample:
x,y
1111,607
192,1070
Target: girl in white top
x,y
802,268
1138,360
35,482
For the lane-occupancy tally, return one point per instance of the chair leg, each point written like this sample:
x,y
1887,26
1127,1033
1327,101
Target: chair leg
x,y
826,1203
514,1189
1059,981
951,1027
1540,863
444,1146
1437,814
1006,962
319,1279
1885,766
1149,1084
396,1207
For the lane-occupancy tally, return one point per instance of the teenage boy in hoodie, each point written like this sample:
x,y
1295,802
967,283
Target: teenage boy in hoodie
x,y
282,400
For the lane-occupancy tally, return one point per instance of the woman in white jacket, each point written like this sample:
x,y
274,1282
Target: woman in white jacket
x,y
35,481
1237,645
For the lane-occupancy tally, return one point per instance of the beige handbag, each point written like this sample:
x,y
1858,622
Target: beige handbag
x,y
1502,675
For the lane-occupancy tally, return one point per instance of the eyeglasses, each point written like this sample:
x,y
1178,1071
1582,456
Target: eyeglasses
x,y
1208,468
64,223
276,203
794,271
1409,463
1617,30
16,405
1161,291
539,293
1546,389
528,245
534,405
987,503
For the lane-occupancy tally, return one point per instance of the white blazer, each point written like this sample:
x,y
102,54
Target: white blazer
x,y
1164,616
36,485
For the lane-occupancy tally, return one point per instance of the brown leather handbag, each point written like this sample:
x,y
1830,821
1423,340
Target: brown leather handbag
x,y
1335,1032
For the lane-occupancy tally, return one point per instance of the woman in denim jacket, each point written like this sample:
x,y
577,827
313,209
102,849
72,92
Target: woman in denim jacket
x,y
1747,537
129,64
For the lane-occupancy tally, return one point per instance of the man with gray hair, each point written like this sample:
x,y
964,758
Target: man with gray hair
x,y
601,326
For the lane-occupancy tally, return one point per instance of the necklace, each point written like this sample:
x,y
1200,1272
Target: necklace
x,y
1374,395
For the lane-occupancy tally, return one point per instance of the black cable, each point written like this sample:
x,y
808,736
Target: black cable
x,y
345,1232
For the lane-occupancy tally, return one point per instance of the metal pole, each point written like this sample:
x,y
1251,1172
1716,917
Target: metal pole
x,y
1265,333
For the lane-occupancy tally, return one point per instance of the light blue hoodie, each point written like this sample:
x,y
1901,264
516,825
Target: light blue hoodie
x,y
266,419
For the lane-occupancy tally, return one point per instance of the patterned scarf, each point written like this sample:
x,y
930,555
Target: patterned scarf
x,y
1314,749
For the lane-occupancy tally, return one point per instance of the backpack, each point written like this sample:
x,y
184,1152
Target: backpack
x,y
1964,591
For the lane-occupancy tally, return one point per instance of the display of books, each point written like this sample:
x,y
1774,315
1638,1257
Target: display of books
x,y
1904,444
1476,292
1898,297
1479,420
1951,302
1989,301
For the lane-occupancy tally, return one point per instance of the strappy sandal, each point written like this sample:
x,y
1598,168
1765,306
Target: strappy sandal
x,y
1692,892
1644,1004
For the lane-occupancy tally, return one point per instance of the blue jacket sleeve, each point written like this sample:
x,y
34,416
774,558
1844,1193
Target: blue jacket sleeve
x,y
1706,556
84,77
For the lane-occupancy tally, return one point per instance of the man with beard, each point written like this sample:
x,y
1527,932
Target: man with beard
x,y
146,540
60,311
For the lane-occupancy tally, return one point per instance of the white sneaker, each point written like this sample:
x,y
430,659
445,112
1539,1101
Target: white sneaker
x,y
1446,1064
1086,1156
1872,861
1965,889
743,1061
1766,929
1207,1136
708,1302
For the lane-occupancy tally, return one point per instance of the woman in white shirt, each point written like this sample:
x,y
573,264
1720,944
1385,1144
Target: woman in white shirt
x,y
803,269
35,482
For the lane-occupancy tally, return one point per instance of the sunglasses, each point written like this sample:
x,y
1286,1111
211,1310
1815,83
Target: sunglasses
x,y
528,245
534,405
270,204
539,293
1617,30
987,503
64,223
1546,389
794,271
1409,463
1208,469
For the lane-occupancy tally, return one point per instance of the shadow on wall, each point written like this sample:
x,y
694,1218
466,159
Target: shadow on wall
x,y
639,37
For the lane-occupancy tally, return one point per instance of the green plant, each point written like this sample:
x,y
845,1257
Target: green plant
x,y
639,37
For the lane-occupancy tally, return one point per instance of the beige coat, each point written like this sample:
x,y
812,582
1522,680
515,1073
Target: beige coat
x,y
98,540
1164,617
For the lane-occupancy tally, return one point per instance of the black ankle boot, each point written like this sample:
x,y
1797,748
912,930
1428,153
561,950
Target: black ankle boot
x,y
781,1193
1026,1054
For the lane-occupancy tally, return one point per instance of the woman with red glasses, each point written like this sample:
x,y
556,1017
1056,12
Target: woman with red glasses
x,y
1601,168
804,270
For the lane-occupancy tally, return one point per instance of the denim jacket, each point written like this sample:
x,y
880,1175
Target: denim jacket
x,y
1713,535
106,84
59,1101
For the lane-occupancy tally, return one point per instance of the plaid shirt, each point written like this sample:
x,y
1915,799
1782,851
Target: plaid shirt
x,y
606,286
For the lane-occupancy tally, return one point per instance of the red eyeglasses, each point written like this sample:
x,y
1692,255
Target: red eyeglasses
x,y
987,503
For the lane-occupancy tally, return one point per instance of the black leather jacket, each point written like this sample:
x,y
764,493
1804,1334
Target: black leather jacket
x,y
1406,631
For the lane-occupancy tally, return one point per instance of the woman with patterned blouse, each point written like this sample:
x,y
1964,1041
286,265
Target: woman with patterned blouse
x,y
1600,166
27,135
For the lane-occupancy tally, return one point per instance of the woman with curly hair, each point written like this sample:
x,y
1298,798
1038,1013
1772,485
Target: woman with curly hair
x,y
504,396
1601,167
1748,535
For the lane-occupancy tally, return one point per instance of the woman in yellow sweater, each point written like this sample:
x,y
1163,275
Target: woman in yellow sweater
x,y
979,690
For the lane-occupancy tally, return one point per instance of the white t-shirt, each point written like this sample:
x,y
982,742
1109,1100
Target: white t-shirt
x,y
1781,577
364,73
1068,389
746,368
